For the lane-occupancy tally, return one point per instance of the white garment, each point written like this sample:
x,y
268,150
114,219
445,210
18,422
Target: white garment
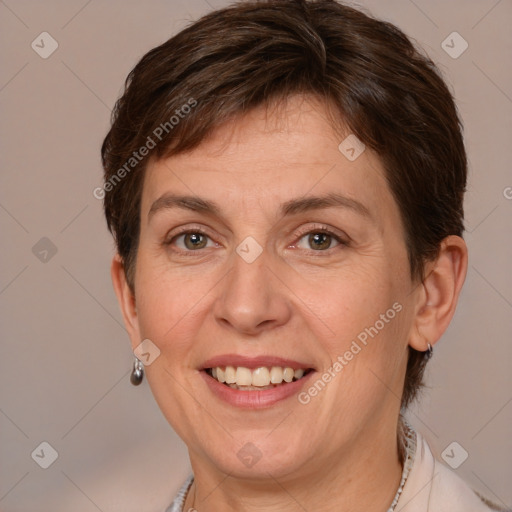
x,y
430,487
433,487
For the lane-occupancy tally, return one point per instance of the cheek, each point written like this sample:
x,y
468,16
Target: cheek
x,y
354,299
368,315
168,302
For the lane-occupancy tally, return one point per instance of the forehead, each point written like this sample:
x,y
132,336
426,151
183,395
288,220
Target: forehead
x,y
269,157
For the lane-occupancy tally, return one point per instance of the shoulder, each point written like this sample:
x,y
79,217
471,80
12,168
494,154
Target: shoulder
x,y
433,486
451,493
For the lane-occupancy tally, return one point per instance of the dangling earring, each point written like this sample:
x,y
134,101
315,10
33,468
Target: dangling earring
x,y
137,372
429,352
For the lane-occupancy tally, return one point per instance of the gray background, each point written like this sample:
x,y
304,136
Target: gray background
x,y
65,356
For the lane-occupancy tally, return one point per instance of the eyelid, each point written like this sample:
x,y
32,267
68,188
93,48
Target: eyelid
x,y
171,236
189,228
340,236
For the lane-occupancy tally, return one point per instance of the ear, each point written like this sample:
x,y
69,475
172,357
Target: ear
x,y
438,294
126,300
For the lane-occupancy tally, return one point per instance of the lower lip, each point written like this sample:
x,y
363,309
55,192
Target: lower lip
x,y
254,399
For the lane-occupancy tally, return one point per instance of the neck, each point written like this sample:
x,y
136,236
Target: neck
x,y
364,477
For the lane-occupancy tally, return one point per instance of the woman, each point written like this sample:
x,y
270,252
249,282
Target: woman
x,y
284,181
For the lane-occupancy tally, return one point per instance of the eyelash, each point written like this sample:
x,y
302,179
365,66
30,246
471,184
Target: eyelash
x,y
323,230
298,235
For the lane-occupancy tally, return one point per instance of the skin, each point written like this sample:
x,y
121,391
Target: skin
x,y
294,301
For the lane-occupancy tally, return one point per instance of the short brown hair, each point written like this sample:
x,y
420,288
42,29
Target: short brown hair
x,y
254,53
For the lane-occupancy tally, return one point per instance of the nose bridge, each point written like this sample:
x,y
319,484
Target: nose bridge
x,y
251,299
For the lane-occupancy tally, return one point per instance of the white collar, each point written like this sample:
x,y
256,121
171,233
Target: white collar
x,y
428,485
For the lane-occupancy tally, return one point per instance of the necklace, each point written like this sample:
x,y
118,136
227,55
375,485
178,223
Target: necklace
x,y
409,440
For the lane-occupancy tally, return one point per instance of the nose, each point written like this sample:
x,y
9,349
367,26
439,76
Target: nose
x,y
251,297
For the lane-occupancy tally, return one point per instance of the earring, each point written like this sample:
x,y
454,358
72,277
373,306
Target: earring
x,y
429,352
137,372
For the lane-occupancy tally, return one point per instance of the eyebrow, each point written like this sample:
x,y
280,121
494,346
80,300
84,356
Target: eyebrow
x,y
291,207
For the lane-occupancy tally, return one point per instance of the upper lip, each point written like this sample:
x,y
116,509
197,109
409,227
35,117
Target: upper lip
x,y
253,362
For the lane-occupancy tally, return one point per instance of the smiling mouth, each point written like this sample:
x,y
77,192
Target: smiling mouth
x,y
257,379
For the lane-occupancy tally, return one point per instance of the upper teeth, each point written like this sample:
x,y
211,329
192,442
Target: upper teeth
x,y
260,377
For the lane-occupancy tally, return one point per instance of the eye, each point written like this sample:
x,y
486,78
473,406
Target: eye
x,y
320,240
190,241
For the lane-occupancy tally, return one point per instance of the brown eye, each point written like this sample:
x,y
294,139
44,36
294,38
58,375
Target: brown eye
x,y
318,241
195,241
190,241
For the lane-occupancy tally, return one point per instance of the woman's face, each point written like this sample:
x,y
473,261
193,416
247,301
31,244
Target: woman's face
x,y
268,278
